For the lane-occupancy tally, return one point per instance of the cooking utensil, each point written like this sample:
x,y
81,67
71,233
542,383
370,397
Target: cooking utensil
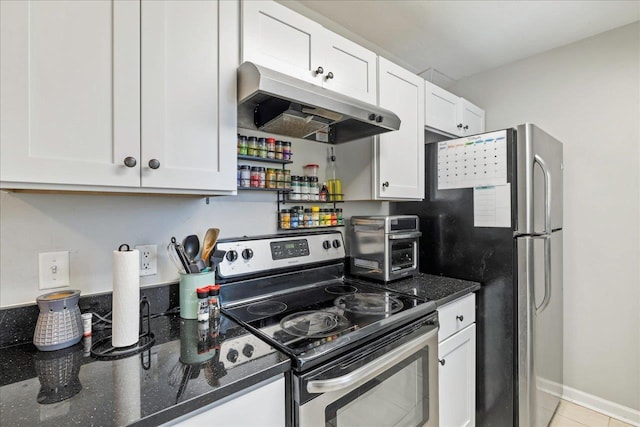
x,y
210,239
182,256
173,255
191,245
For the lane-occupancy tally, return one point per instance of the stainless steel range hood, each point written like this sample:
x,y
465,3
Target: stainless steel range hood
x,y
279,104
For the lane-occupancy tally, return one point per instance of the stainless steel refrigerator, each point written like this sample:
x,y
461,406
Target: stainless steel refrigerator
x,y
492,213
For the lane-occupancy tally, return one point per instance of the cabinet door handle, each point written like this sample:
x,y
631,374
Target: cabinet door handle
x,y
154,163
466,127
329,76
130,162
385,184
319,70
459,126
442,361
460,317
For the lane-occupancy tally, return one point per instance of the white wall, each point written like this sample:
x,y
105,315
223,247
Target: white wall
x,y
587,94
90,227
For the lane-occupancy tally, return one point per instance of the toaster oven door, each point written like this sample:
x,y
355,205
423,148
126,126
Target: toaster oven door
x,y
401,254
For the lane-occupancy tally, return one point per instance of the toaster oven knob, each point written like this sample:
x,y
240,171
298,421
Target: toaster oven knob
x,y
326,244
336,243
247,350
232,356
247,254
231,256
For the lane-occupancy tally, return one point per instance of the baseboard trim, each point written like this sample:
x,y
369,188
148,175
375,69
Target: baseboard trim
x,y
612,409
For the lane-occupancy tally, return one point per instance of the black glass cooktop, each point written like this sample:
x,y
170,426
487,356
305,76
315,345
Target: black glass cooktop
x,y
313,322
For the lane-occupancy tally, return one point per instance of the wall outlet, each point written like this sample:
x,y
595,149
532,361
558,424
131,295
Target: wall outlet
x,y
148,259
53,270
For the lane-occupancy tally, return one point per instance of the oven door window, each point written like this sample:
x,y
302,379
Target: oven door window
x,y
402,254
397,397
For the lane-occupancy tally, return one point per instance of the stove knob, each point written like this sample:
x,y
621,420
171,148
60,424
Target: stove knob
x,y
247,254
247,350
326,244
232,256
232,356
336,243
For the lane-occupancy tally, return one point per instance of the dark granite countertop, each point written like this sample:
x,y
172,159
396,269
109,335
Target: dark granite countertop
x,y
184,370
433,288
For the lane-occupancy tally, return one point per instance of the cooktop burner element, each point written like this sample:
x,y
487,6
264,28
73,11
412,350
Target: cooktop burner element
x,y
341,289
314,324
267,308
369,303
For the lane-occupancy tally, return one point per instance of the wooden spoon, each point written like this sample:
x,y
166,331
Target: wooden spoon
x,y
210,239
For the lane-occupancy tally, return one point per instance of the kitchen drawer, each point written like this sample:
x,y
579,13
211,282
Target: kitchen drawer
x,y
456,316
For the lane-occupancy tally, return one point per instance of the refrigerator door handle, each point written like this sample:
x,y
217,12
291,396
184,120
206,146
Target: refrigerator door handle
x,y
547,193
547,275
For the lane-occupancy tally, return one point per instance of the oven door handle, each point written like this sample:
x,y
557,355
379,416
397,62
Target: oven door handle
x,y
400,236
372,369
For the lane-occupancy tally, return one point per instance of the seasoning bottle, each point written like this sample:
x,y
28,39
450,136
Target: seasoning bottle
x,y
314,190
255,177
270,178
242,145
285,219
308,220
279,178
324,193
300,216
295,189
294,217
333,216
214,301
304,188
271,148
262,148
245,176
286,150
278,155
262,175
339,216
287,178
252,145
315,216
203,304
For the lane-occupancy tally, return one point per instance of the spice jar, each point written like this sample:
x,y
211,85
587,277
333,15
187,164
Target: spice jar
x,y
315,216
286,150
279,178
255,177
287,179
252,145
262,175
304,188
214,301
339,216
314,190
294,218
242,145
262,148
245,176
295,188
271,148
333,216
308,220
278,154
285,219
203,304
270,178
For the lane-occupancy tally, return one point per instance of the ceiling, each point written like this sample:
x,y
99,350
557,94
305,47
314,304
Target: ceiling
x,y
449,40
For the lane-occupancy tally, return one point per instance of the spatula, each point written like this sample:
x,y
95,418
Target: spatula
x,y
210,239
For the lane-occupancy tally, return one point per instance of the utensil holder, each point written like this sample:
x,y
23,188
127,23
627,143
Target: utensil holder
x,y
188,297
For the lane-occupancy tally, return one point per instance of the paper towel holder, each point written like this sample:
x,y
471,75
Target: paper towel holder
x,y
105,350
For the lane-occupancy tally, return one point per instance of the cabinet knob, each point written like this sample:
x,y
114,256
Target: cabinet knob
x,y
466,127
319,70
442,361
379,119
329,76
372,116
154,163
130,162
385,184
459,126
460,317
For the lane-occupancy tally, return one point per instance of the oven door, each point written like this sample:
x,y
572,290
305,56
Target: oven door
x,y
402,254
393,382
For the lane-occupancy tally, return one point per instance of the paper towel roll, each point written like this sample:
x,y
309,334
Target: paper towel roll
x,y
126,297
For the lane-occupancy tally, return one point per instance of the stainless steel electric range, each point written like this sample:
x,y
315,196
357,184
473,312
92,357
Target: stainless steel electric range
x,y
361,354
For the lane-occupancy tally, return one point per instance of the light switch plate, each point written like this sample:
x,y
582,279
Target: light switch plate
x,y
53,270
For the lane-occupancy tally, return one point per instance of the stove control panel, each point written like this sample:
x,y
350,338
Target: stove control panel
x,y
242,349
263,253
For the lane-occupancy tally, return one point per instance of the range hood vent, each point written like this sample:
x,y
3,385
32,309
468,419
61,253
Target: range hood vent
x,y
279,104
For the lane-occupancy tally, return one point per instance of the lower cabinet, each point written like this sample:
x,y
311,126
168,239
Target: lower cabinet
x,y
457,370
262,406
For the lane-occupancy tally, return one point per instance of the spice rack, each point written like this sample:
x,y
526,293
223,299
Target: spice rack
x,y
280,183
311,218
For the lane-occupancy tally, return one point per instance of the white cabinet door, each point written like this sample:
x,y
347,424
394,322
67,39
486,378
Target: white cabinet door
x,y
70,104
349,68
400,154
471,117
189,60
263,406
278,38
457,379
441,109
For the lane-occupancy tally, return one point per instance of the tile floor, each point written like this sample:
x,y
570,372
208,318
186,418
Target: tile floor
x,y
572,415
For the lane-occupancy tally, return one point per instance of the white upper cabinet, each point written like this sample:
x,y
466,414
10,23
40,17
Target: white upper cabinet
x,y
119,96
70,103
278,38
188,64
399,155
451,114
